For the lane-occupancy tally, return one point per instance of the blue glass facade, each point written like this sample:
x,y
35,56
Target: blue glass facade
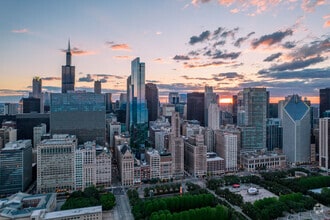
x,y
137,112
80,114
15,167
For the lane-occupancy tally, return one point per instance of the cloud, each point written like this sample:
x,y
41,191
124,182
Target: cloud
x,y
296,64
50,78
272,57
159,60
158,33
116,46
227,75
20,31
79,52
88,78
202,37
310,5
240,40
181,57
315,48
152,81
196,78
326,24
317,73
123,57
52,88
210,64
271,39
220,55
109,76
289,44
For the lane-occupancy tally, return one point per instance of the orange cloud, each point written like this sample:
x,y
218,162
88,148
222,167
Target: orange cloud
x,y
20,31
200,65
120,47
123,57
309,5
326,24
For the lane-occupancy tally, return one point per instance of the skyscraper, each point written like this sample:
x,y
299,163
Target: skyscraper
x,y
296,130
324,137
176,146
254,106
152,101
173,98
80,114
15,167
136,109
68,73
324,101
213,116
36,87
195,106
209,97
97,87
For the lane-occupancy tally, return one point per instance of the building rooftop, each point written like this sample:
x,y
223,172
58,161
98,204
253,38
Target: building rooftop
x,y
73,212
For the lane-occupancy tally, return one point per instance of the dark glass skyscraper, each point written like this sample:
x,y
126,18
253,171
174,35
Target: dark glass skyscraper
x,y
152,101
68,73
80,114
324,101
195,106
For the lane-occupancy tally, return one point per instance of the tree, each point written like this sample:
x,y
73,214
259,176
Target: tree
x,y
108,201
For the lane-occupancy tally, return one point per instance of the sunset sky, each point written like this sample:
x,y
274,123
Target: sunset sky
x,y
283,45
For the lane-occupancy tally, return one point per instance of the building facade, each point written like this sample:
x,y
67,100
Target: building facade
x,y
324,144
195,107
136,108
56,159
324,101
152,101
15,167
68,73
195,156
80,114
296,130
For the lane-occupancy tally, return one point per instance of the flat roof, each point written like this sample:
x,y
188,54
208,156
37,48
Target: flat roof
x,y
73,212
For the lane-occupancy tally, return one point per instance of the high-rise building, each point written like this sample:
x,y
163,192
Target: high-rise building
x,y
97,87
227,148
152,101
68,73
234,109
176,146
324,144
55,159
153,159
125,160
209,97
253,103
136,109
108,102
103,167
36,87
80,114
32,105
85,166
213,116
195,106
209,139
324,101
296,130
15,166
26,122
114,129
274,134
195,156
38,132
7,134
173,98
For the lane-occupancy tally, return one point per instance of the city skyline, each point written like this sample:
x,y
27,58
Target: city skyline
x,y
230,45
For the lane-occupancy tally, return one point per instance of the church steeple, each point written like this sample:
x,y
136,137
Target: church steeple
x,y
68,55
